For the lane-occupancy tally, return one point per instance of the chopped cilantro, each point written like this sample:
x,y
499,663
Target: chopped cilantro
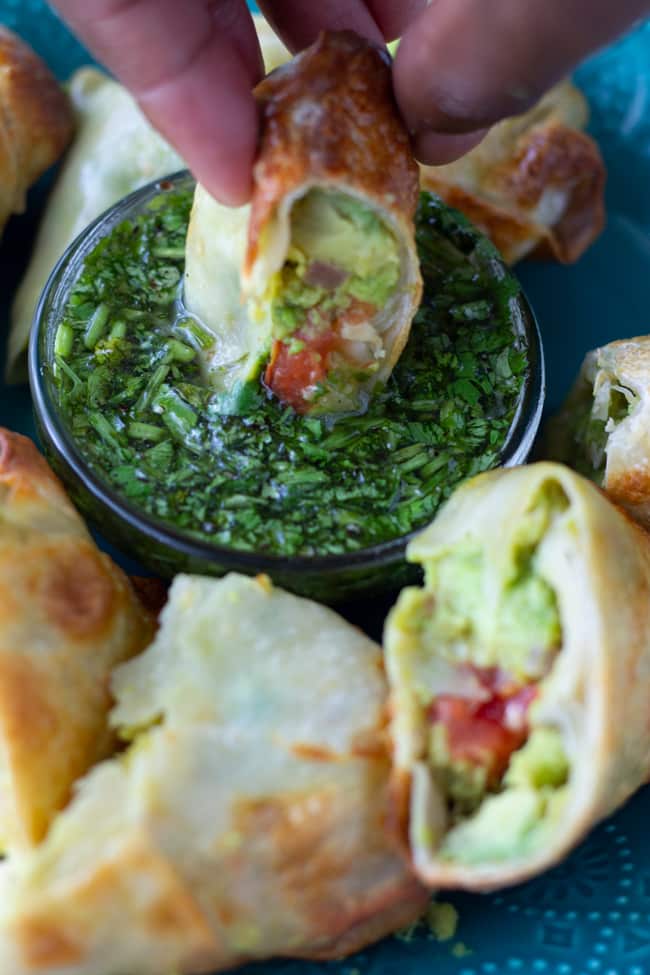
x,y
248,472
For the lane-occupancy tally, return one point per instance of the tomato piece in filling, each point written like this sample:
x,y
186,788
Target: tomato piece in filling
x,y
292,375
486,732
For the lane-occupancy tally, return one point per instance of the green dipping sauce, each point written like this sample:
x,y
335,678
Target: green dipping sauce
x,y
129,384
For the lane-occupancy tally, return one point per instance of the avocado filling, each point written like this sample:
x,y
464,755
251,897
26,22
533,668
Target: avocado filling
x,y
342,268
599,411
500,772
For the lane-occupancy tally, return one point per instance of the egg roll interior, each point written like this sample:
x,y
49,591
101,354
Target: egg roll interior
x,y
330,299
481,651
597,406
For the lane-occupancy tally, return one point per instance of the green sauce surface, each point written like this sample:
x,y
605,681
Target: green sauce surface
x,y
127,374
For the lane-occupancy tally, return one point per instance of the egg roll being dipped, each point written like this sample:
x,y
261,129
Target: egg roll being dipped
x,y
519,676
603,428
247,818
68,615
316,283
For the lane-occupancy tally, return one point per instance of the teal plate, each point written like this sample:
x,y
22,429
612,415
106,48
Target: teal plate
x,y
591,915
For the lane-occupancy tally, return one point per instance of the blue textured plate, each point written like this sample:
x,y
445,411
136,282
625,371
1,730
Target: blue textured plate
x,y
591,916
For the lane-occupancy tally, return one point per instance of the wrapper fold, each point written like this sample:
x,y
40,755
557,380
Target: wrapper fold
x,y
246,819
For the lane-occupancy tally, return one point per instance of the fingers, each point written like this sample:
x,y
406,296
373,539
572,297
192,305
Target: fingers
x,y
463,64
393,18
299,22
440,148
191,66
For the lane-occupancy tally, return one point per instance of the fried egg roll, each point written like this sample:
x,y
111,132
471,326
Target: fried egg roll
x,y
518,676
314,286
603,429
68,615
247,818
535,184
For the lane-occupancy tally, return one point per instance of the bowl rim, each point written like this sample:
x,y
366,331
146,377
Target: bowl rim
x,y
514,451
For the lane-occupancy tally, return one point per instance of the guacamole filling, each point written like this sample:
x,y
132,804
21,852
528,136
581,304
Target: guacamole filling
x,y
342,268
500,772
602,407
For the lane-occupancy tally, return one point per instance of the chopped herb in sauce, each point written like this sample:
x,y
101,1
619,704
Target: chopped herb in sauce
x,y
127,371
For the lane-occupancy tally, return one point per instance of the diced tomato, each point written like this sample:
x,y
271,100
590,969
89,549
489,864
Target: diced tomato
x,y
291,374
488,731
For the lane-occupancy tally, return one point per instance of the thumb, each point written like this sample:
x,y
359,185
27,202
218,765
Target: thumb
x,y
464,64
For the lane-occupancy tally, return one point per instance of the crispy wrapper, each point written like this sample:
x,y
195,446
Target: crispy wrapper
x,y
595,695
329,122
535,184
68,615
246,820
603,429
36,121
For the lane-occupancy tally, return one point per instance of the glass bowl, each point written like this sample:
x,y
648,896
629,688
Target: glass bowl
x,y
166,550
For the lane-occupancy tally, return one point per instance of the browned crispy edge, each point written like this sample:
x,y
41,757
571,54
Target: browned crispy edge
x,y
549,155
35,111
330,116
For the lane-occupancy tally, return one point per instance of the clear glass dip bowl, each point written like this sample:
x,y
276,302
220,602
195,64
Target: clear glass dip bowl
x,y
165,549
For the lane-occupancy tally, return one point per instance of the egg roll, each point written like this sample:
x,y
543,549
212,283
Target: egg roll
x,y
68,615
535,184
115,151
603,428
316,283
36,121
518,676
247,817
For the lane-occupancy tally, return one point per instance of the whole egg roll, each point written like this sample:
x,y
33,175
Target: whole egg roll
x,y
68,615
535,184
36,121
317,282
519,676
247,817
603,428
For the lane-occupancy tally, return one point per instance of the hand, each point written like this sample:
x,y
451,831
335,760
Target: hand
x,y
462,64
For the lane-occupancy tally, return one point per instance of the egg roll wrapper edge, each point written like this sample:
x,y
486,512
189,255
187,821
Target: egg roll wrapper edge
x,y
597,693
67,616
329,120
248,818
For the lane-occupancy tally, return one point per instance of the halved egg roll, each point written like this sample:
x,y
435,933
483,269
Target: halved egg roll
x,y
68,615
246,819
534,184
603,428
316,284
518,675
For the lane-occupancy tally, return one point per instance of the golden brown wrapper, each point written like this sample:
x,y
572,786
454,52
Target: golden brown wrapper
x,y
612,394
329,118
67,616
596,694
36,121
535,185
329,124
247,817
